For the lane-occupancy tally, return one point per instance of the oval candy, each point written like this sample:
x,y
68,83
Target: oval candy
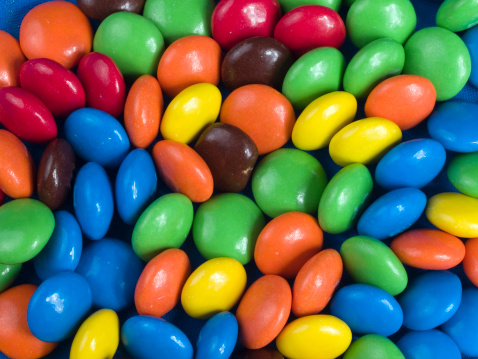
x,y
428,344
217,337
373,346
462,172
470,262
470,38
8,274
457,15
264,353
99,10
288,5
11,60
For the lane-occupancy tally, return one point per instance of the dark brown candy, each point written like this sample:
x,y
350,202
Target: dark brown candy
x,y
265,353
55,173
230,154
100,9
258,60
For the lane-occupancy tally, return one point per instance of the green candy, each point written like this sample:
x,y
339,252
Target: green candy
x,y
288,180
369,20
164,224
26,226
132,41
227,225
344,198
369,261
442,57
8,273
314,74
288,5
373,63
180,18
457,15
373,346
463,173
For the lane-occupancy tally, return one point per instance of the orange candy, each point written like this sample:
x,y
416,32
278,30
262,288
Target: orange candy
x,y
428,249
470,263
263,311
143,110
17,171
263,113
405,99
16,340
183,170
286,243
57,30
159,287
11,59
316,282
188,61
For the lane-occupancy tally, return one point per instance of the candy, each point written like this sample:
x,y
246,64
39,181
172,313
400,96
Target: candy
x,y
286,243
261,112
217,337
345,198
330,335
457,15
165,223
263,311
135,185
147,337
98,10
47,31
462,172
314,74
58,306
8,274
440,56
470,262
373,346
227,225
25,228
288,5
316,282
11,60
368,20
308,27
215,286
470,38
190,112
369,261
428,344
288,180
97,337
158,289
322,119
59,88
367,309
264,353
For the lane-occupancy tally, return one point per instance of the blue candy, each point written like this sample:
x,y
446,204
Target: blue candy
x,y
392,213
151,338
97,137
428,344
63,250
367,309
93,200
58,306
413,163
430,300
471,41
463,326
218,337
135,185
112,269
454,125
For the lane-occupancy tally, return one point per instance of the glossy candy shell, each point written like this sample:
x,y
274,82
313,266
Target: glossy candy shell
x,y
11,60
217,337
373,346
462,172
428,344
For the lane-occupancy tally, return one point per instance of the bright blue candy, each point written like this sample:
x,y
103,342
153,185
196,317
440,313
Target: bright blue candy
x,y
93,200
218,337
463,326
63,250
97,137
428,344
430,300
471,41
112,269
392,213
135,185
413,163
58,306
454,125
151,338
367,309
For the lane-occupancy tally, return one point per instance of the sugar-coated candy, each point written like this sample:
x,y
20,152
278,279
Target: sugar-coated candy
x,y
428,344
264,353
470,262
457,15
217,337
98,10
11,60
8,274
288,5
373,346
462,172
470,38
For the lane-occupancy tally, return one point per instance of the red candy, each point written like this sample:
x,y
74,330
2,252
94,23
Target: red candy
x,y
470,262
2,197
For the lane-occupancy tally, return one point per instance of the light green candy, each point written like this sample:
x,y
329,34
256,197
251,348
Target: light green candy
x,y
373,346
457,15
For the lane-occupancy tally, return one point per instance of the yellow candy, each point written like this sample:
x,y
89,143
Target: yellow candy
x,y
322,118
190,112
215,286
454,213
314,337
364,141
97,337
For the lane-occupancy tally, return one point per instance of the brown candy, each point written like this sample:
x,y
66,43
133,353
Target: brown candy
x,y
258,60
100,9
265,353
230,154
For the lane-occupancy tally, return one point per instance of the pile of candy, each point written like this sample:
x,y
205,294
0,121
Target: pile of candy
x,y
309,222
